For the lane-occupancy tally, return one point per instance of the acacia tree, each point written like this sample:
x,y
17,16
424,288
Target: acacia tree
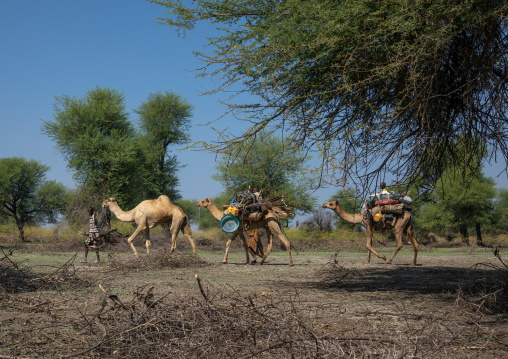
x,y
459,205
275,166
371,86
26,196
164,121
501,210
94,135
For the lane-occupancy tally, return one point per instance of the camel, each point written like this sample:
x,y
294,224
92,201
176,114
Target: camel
x,y
270,223
149,214
403,225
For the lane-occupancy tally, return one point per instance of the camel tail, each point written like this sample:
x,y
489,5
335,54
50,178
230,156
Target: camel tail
x,y
185,225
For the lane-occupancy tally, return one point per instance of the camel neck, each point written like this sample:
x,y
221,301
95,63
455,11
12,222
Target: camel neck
x,y
215,211
356,218
121,215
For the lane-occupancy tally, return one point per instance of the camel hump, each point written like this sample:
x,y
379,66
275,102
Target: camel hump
x,y
164,198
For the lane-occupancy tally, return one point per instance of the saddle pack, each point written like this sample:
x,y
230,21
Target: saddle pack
x,y
245,197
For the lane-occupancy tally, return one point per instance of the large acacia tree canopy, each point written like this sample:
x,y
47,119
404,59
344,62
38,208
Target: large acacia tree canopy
x,y
375,87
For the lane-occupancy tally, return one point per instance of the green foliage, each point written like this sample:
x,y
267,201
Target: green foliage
x,y
501,211
458,205
96,138
164,121
108,156
26,196
270,164
190,209
372,86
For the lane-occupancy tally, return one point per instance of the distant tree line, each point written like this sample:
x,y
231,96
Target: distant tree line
x,y
109,155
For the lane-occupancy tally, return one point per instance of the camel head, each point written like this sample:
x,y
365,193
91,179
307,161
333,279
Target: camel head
x,y
330,205
337,208
204,202
107,202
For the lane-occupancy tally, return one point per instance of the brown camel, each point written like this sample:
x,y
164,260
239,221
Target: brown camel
x,y
270,223
403,225
151,213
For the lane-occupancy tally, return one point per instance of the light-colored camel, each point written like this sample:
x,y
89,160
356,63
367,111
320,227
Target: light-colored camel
x,y
270,223
403,225
151,213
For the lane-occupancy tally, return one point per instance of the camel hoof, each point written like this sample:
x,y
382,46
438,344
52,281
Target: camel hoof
x,y
367,262
224,262
383,258
389,262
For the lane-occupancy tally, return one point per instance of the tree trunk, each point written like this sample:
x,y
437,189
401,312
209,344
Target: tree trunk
x,y
21,230
104,218
463,231
479,239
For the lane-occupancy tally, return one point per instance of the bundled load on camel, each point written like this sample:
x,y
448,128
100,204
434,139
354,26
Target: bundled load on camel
x,y
385,205
246,207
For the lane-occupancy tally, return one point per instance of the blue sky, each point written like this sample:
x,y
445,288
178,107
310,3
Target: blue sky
x,y
56,47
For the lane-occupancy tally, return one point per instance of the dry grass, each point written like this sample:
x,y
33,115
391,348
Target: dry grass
x,y
157,259
488,294
339,310
222,323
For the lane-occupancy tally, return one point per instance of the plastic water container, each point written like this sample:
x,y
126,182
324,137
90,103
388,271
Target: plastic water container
x,y
229,223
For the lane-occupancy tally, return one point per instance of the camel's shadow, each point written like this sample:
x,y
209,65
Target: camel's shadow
x,y
401,278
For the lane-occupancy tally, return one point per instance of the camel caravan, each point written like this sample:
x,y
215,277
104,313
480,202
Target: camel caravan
x,y
249,212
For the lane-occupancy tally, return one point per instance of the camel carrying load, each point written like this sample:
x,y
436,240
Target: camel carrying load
x,y
245,207
270,221
381,208
383,211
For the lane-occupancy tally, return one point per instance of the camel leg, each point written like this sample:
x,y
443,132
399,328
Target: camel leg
x,y
261,252
186,230
228,243
415,244
254,245
148,243
269,245
369,247
368,257
174,234
245,246
398,237
274,228
131,239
